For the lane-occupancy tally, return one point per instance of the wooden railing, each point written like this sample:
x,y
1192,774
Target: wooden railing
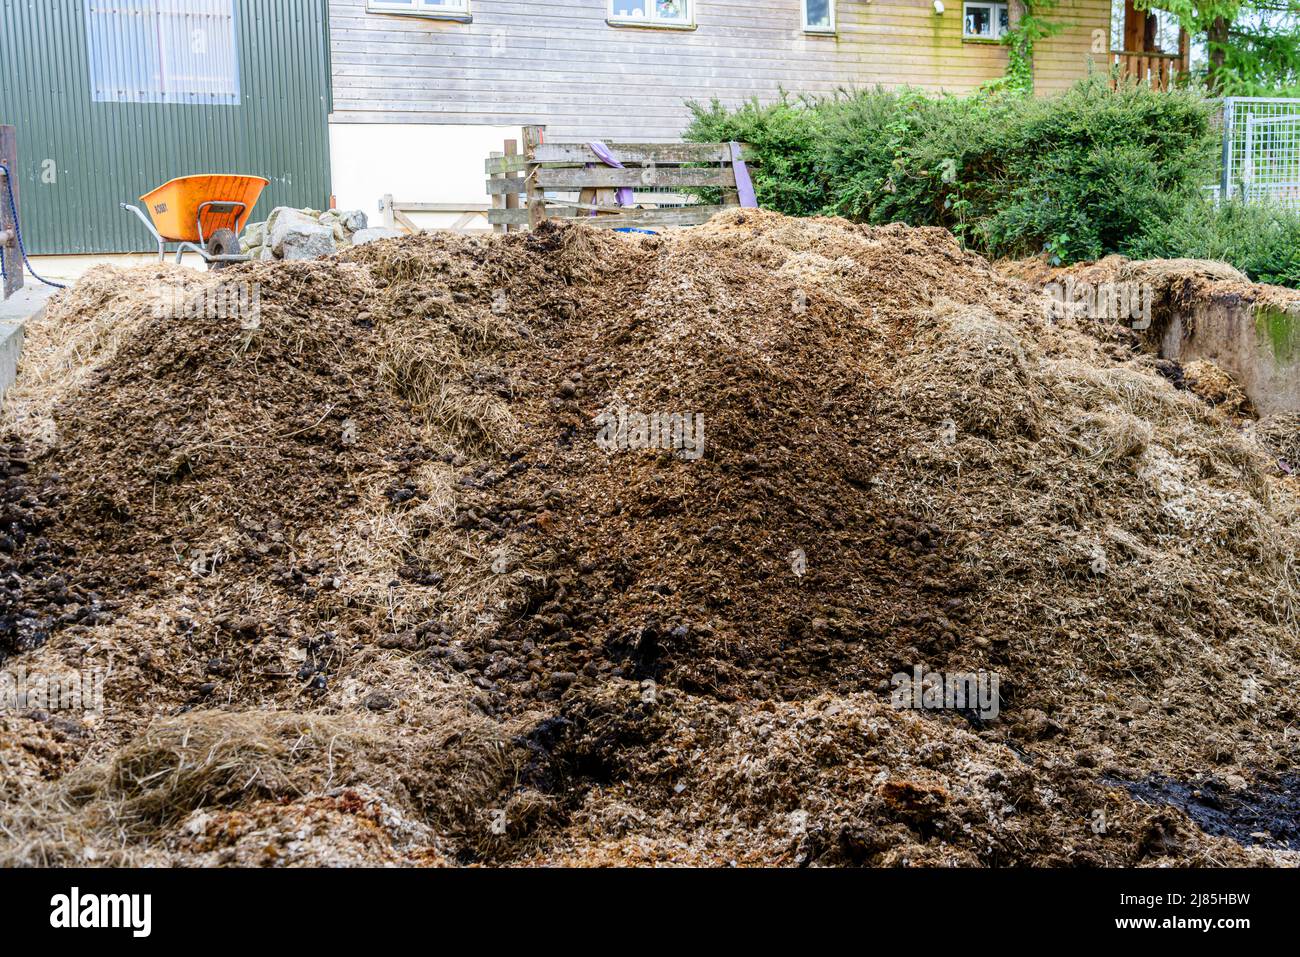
x,y
469,216
1157,69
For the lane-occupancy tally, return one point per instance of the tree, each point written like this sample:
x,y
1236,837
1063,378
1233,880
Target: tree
x,y
1253,45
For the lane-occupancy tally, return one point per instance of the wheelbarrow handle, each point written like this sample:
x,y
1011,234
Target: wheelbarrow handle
x,y
140,214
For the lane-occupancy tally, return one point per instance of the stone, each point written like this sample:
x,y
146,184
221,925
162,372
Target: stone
x,y
278,212
254,235
353,220
306,242
364,237
295,235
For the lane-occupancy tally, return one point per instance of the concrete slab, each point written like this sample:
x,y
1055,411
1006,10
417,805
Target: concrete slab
x,y
68,269
15,312
26,302
11,347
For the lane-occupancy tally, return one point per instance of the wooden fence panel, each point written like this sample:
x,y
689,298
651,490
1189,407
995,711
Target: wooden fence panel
x,y
662,171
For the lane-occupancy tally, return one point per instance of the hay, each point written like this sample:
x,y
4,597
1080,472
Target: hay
x,y
79,331
1211,383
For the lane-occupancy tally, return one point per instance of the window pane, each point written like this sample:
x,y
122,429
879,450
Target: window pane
x,y
162,51
978,22
670,9
630,9
1003,21
819,14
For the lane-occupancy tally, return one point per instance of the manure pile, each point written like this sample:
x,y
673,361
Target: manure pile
x,y
583,548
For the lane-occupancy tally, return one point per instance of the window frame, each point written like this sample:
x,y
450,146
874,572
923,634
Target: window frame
x,y
423,8
995,8
807,28
652,22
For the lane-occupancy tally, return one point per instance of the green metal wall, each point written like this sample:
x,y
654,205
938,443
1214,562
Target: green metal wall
x,y
108,153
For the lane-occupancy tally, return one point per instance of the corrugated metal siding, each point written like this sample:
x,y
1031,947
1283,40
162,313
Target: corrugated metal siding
x,y
104,153
560,63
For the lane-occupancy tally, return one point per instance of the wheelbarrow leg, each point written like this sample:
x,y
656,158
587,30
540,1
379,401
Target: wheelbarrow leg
x,y
162,245
181,250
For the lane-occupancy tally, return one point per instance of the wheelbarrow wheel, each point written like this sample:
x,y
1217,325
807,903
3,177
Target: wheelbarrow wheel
x,y
224,242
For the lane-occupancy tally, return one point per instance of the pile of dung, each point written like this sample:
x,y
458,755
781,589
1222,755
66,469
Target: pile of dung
x,y
34,598
584,548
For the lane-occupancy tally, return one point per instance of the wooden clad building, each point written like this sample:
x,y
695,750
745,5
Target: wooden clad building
x,y
423,90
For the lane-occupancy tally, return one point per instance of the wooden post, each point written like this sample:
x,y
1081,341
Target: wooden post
x,y
1134,27
533,138
498,201
12,280
512,199
390,221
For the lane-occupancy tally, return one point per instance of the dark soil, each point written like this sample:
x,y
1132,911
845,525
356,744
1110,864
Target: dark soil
x,y
1268,814
35,598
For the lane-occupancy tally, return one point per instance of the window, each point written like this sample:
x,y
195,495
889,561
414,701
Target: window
x,y
819,16
441,9
163,51
651,13
984,21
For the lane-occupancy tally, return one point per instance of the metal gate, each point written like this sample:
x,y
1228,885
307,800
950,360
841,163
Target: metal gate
x,y
1261,150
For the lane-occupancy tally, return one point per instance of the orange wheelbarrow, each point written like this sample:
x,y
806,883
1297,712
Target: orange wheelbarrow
x,y
205,214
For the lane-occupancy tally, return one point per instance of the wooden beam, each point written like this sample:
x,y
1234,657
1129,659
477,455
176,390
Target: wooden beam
x,y
646,178
459,225
671,216
512,199
502,185
498,199
1134,27
405,222
499,163
534,137
639,154
442,207
519,217
586,205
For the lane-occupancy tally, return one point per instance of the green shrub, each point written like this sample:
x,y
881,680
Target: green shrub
x,y
1261,241
1076,174
785,135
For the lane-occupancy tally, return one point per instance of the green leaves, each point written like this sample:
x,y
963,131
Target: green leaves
x,y
1261,241
1260,53
1077,175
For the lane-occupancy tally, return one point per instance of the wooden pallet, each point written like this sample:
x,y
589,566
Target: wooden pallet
x,y
568,181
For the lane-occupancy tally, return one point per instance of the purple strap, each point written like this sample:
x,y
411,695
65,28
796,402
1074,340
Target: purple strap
x,y
624,195
744,185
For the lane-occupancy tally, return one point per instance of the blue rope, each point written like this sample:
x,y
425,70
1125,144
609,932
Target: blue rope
x,y
13,205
